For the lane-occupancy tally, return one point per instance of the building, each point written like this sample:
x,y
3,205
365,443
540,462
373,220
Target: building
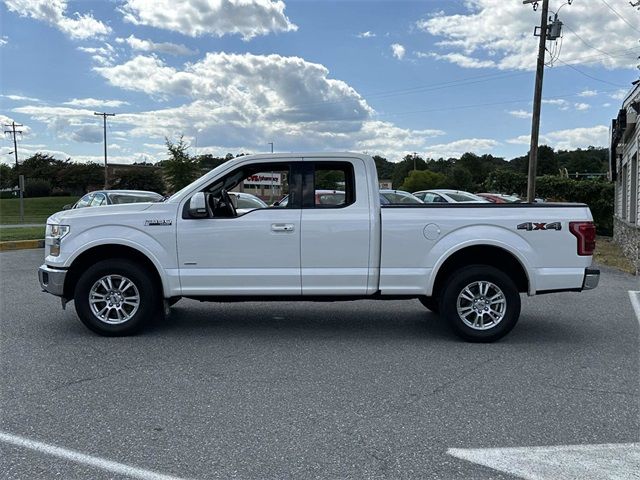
x,y
624,172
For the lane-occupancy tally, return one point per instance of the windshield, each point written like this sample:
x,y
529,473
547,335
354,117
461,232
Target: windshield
x,y
399,197
250,202
121,198
465,197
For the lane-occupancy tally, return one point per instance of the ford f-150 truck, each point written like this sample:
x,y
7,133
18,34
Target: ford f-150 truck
x,y
123,265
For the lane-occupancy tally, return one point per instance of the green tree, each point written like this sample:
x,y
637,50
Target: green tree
x,y
461,179
7,178
506,181
79,178
41,166
143,178
406,165
423,180
180,169
209,162
384,167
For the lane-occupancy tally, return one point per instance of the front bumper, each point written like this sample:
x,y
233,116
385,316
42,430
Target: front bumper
x,y
52,280
591,278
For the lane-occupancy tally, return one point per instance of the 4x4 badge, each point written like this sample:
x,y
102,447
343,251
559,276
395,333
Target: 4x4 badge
x,y
529,226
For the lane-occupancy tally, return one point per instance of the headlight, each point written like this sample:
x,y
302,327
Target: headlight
x,y
55,232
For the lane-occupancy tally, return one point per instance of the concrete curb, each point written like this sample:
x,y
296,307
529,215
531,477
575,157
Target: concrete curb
x,y
21,245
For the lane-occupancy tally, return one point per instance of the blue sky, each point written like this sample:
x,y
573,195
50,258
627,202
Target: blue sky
x,y
434,77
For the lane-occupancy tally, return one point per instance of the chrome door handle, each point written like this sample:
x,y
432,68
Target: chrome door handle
x,y
282,227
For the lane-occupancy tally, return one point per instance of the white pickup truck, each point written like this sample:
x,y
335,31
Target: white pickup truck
x,y
123,265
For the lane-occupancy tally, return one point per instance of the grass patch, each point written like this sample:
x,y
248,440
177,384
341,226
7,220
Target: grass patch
x,y
610,254
23,233
36,210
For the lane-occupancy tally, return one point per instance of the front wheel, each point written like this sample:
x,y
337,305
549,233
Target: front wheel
x,y
481,303
115,297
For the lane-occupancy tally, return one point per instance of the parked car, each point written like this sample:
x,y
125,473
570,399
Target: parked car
x,y
126,264
245,202
448,196
322,197
114,197
397,197
499,198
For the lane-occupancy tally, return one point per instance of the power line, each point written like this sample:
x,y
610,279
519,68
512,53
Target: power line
x,y
590,76
488,104
585,42
619,16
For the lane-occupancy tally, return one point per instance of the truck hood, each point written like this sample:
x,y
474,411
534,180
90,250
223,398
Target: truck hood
x,y
98,212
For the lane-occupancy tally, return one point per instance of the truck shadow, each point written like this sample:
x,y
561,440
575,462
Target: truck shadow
x,y
346,319
339,319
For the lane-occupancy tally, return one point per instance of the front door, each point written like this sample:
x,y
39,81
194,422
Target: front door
x,y
256,252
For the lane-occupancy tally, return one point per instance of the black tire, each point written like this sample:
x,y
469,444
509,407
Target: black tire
x,y
467,276
149,305
431,303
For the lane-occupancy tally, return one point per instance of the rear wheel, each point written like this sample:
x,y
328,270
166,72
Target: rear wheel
x,y
114,297
481,303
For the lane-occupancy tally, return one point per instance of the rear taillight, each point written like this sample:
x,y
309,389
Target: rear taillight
x,y
585,232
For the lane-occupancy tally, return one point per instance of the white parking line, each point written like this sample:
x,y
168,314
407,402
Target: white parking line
x,y
635,302
84,459
569,462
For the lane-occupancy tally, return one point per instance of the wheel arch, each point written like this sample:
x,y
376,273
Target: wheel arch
x,y
482,254
108,251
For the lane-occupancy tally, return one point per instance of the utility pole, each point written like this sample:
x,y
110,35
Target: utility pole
x,y
537,101
13,131
104,126
271,143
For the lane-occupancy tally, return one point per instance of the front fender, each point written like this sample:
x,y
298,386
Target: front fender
x,y
477,235
159,249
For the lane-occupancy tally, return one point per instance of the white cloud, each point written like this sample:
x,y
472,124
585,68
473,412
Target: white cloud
x,y
588,93
4,120
501,32
558,102
366,34
160,47
520,113
398,51
95,103
21,98
459,147
459,59
53,12
247,18
4,40
239,103
581,107
620,94
87,134
104,55
570,139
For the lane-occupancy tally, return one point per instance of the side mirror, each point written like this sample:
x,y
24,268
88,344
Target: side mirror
x,y
68,206
198,206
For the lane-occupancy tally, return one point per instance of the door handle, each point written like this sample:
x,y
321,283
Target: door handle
x,y
282,227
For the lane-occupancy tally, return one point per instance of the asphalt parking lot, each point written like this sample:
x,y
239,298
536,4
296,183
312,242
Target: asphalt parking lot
x,y
360,390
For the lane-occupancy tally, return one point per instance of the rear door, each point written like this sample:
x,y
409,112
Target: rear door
x,y
335,249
